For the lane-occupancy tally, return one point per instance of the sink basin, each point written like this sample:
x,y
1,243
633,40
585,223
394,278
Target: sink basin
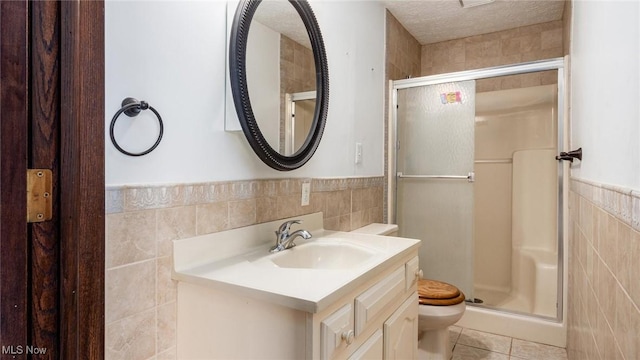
x,y
309,277
323,255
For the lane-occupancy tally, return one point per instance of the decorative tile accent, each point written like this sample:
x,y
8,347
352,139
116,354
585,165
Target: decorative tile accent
x,y
269,187
114,200
319,185
156,197
194,194
165,196
245,189
635,210
622,203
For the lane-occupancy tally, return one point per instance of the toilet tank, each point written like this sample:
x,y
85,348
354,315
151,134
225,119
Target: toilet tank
x,y
378,229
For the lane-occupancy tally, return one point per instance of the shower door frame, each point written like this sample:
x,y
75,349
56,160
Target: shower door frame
x,y
557,64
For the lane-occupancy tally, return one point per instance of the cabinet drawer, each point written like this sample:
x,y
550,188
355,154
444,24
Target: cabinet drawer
x,y
412,267
373,301
336,331
371,349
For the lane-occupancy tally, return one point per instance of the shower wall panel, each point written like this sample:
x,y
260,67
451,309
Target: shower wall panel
x,y
507,121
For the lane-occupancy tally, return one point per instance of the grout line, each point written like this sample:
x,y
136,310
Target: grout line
x,y
510,355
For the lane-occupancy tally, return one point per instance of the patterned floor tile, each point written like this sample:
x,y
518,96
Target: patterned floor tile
x,y
463,352
482,340
533,351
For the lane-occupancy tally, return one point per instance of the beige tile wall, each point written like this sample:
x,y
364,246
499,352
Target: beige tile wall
x,y
142,221
297,74
402,53
528,43
297,68
604,272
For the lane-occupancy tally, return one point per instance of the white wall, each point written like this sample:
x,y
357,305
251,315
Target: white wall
x,y
263,70
172,54
605,86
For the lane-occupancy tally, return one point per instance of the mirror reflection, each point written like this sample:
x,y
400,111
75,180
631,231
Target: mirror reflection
x,y
281,75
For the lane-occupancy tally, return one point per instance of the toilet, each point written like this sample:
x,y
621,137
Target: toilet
x,y
441,305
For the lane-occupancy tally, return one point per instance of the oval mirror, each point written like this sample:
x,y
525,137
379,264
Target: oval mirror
x,y
279,80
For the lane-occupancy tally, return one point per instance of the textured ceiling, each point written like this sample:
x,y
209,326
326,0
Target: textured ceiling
x,y
431,21
283,18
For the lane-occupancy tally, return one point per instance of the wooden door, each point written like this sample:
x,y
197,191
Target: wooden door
x,y
52,117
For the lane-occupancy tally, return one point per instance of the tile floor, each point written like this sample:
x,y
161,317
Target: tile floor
x,y
470,344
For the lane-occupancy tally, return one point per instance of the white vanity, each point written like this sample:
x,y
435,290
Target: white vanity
x,y
336,296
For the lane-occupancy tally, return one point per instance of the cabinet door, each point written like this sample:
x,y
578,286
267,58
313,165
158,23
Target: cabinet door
x,y
412,267
336,331
371,349
401,332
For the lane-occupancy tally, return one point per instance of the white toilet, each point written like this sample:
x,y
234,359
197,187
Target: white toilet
x,y
441,305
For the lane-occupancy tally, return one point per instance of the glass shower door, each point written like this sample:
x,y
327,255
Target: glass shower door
x,y
435,161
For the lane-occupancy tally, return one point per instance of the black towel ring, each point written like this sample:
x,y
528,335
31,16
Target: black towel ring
x,y
132,107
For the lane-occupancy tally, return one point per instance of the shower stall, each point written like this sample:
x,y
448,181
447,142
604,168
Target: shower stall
x,y
475,177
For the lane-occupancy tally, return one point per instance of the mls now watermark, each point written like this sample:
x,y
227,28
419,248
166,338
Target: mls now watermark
x,y
23,350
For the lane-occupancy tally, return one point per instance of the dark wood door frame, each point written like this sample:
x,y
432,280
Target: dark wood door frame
x,y
82,227
14,114
52,116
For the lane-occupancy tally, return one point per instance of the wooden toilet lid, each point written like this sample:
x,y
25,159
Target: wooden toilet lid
x,y
432,292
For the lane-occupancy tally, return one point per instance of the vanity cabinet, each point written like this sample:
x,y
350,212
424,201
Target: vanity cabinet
x,y
376,318
389,309
400,330
397,338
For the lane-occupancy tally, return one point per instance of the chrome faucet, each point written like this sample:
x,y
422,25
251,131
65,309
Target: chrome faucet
x,y
284,240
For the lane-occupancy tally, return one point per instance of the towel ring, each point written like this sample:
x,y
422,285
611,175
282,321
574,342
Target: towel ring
x,y
132,107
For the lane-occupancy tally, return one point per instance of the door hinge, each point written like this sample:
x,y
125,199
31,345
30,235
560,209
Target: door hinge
x,y
39,195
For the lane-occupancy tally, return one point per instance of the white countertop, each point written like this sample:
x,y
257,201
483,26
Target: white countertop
x,y
249,272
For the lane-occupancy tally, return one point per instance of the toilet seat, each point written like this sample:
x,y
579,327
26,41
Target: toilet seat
x,y
438,293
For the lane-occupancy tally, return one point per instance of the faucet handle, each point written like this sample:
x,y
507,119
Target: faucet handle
x,y
284,228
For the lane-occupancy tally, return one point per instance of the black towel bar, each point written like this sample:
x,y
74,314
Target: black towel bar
x,y
132,107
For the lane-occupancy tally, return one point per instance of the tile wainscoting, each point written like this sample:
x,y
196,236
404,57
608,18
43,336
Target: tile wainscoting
x,y
604,272
140,310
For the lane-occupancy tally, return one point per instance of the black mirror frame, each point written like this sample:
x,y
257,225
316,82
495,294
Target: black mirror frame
x,y
238,76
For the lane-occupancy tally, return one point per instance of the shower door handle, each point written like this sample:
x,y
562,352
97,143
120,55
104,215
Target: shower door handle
x,y
575,154
471,177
